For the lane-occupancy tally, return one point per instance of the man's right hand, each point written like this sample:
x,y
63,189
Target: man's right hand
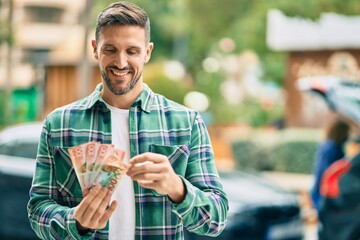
x,y
94,210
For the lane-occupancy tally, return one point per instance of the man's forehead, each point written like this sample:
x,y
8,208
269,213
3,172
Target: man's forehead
x,y
124,31
118,26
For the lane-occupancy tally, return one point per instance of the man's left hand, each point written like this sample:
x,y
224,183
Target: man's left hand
x,y
154,171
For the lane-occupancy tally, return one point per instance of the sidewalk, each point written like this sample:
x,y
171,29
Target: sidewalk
x,y
300,183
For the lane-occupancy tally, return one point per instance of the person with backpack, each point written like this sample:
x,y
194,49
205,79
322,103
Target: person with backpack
x,y
331,150
339,207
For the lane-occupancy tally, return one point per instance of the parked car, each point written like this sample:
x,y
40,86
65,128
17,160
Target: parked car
x,y
18,147
259,209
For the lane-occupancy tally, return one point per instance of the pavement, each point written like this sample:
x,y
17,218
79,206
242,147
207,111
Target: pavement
x,y
300,183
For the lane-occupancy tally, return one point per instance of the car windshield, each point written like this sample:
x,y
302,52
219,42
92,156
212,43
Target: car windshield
x,y
25,148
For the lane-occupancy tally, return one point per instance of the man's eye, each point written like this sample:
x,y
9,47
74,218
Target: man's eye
x,y
132,52
109,50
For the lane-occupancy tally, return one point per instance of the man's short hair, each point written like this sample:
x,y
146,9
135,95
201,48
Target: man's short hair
x,y
123,13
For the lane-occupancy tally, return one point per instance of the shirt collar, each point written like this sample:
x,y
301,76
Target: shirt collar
x,y
144,100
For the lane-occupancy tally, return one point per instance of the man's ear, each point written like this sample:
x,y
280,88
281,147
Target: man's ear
x,y
149,49
93,43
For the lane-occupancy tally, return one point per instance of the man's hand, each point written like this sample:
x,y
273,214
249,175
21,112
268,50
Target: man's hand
x,y
154,171
94,211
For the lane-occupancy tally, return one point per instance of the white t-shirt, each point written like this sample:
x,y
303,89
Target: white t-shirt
x,y
122,222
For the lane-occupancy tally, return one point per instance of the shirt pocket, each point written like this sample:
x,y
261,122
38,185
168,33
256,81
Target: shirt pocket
x,y
178,156
66,179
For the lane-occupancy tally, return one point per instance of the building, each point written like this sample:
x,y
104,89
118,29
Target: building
x,y
47,55
329,46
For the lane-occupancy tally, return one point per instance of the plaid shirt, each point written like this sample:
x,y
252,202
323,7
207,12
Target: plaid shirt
x,y
155,125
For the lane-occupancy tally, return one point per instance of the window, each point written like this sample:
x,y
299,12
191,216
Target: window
x,y
26,149
35,55
43,14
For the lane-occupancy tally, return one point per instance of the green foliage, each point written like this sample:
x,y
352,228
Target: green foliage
x,y
256,114
286,151
294,156
209,84
250,111
159,83
189,31
249,155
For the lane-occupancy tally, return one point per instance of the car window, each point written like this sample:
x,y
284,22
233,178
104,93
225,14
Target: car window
x,y
19,149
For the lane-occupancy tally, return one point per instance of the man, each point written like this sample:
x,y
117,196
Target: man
x,y
172,181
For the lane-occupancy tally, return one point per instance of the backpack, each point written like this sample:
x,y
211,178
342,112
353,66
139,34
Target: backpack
x,y
339,208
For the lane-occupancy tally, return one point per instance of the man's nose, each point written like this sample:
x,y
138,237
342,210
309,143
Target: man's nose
x,y
120,61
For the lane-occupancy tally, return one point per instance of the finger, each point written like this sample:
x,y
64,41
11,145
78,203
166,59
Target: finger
x,y
142,167
86,192
149,176
147,173
81,208
137,159
148,184
94,205
106,216
148,156
102,208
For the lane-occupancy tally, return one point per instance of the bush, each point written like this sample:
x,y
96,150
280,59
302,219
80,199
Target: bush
x,y
250,155
294,156
286,151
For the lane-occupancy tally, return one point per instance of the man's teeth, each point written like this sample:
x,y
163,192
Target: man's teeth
x,y
120,74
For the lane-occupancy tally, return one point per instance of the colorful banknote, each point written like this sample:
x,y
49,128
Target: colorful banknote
x,y
98,164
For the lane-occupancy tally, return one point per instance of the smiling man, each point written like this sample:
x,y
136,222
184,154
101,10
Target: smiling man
x,y
171,180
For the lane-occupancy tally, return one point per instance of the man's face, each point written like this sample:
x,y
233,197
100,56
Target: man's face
x,y
122,52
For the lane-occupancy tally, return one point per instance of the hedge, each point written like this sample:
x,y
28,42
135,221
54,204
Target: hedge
x,y
284,154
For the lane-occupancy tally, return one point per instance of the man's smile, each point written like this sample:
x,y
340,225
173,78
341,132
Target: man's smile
x,y
119,73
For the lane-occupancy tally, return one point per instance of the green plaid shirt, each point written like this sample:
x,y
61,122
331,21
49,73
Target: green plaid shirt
x,y
155,125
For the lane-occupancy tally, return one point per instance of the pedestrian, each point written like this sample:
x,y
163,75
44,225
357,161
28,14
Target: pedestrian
x,y
171,183
331,150
339,207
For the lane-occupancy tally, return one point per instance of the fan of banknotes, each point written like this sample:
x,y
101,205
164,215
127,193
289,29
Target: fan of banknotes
x,y
98,164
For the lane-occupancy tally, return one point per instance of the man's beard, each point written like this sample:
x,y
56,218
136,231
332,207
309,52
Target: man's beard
x,y
120,91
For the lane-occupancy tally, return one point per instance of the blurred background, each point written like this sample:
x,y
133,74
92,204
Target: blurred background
x,y
238,62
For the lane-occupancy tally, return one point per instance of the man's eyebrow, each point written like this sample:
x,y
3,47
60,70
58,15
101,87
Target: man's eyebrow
x,y
108,45
112,45
134,47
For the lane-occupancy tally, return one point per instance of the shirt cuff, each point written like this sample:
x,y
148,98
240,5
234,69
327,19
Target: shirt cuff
x,y
185,207
73,229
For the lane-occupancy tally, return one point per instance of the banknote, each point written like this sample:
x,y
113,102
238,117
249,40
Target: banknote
x,y
112,170
90,156
98,164
104,151
79,163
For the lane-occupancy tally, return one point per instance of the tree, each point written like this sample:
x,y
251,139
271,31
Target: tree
x,y
190,30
